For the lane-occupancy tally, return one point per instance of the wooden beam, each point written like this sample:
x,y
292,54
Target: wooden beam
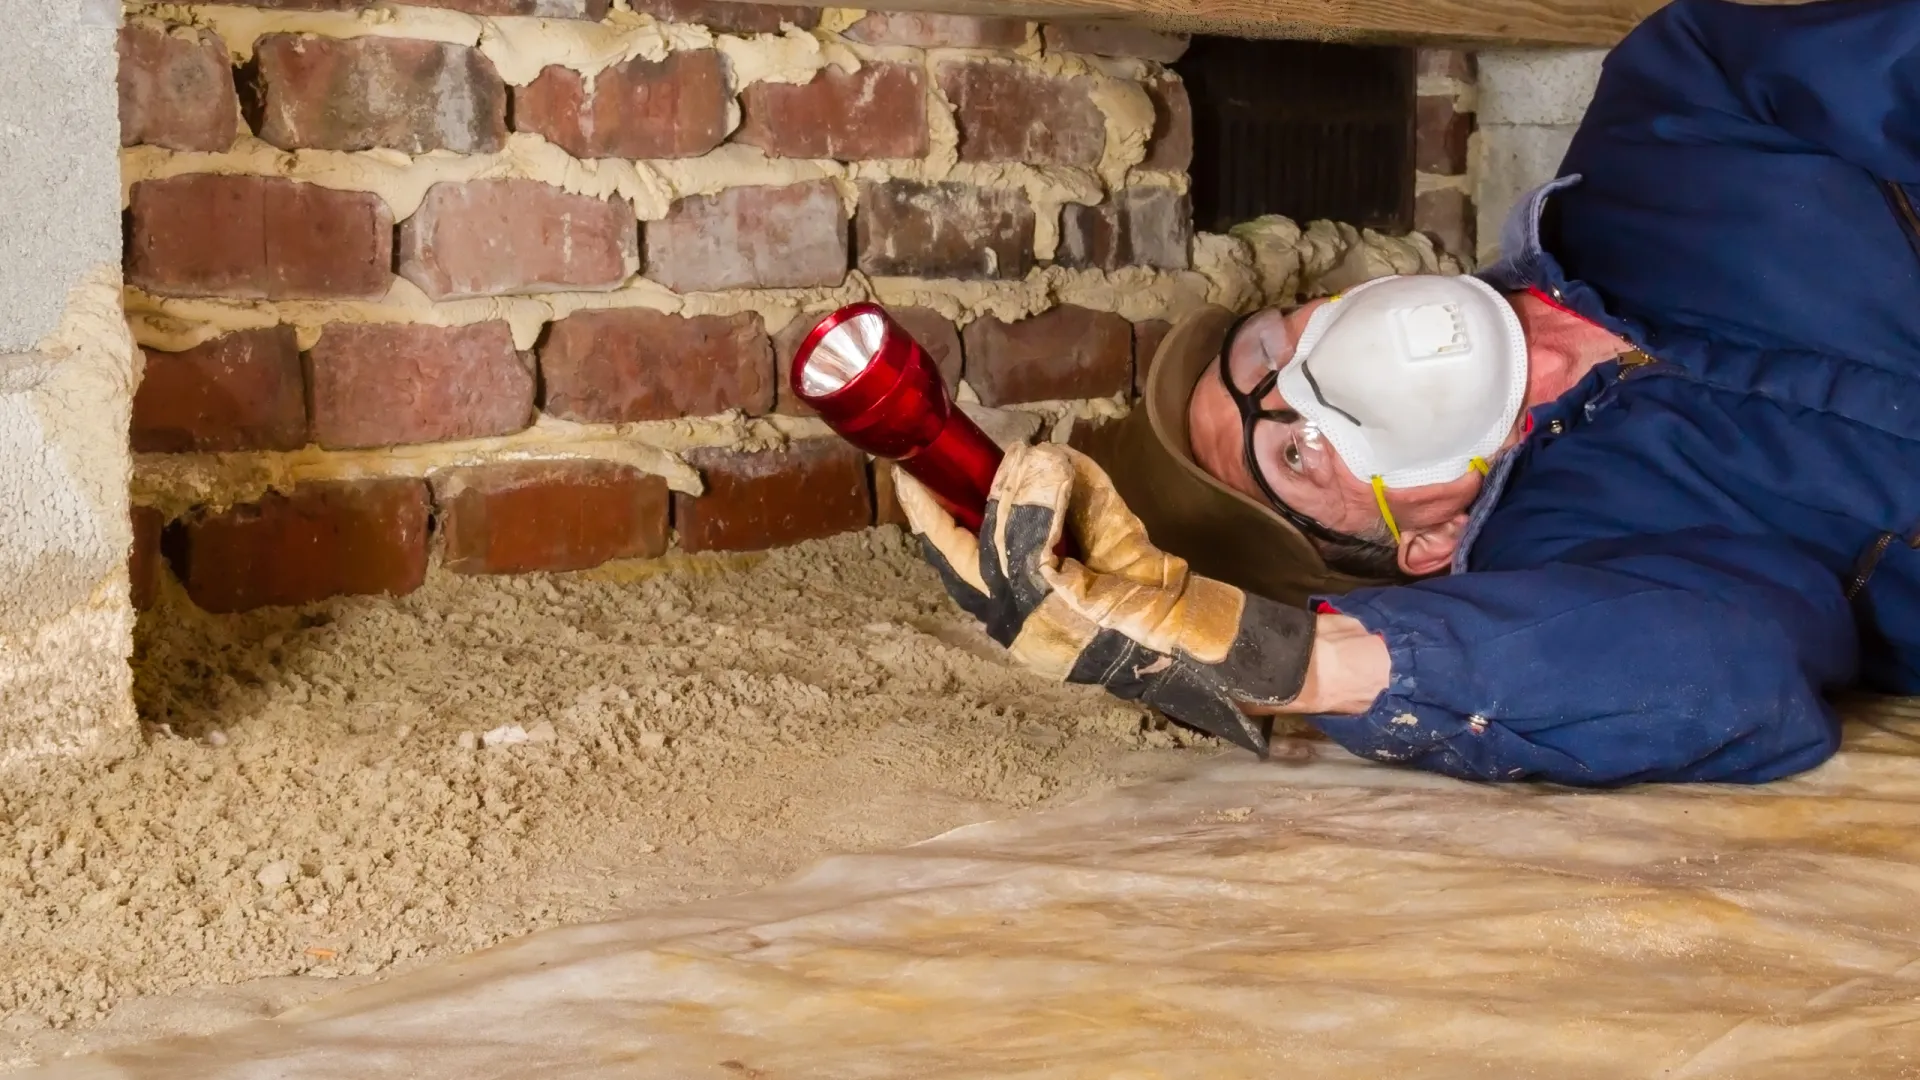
x,y
1466,23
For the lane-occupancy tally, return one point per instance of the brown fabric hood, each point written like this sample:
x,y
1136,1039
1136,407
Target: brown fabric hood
x,y
1220,532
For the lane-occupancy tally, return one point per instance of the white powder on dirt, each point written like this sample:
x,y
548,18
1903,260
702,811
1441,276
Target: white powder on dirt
x,y
367,783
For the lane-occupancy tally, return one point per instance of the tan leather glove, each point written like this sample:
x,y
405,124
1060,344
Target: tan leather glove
x,y
1127,616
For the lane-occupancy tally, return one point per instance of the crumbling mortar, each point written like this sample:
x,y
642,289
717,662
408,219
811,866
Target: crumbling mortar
x,y
176,484
651,187
1269,261
174,324
66,617
1237,272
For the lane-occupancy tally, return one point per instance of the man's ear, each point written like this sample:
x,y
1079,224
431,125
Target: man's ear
x,y
1429,551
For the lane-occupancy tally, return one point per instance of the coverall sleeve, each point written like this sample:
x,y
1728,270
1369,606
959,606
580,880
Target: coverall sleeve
x,y
1841,75
1695,656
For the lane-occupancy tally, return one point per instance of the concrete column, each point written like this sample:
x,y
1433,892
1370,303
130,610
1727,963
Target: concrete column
x,y
67,370
1531,102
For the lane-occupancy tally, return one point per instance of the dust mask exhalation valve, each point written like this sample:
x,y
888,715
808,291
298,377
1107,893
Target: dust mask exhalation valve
x,y
1413,380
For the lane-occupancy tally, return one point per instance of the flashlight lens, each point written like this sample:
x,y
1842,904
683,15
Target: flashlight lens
x,y
845,351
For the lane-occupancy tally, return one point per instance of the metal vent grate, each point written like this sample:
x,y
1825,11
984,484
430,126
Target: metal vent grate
x,y
1301,128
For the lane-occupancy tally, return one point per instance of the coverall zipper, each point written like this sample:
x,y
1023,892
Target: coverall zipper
x,y
1868,562
1869,559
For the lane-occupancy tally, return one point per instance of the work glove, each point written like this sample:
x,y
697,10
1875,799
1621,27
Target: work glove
x,y
1125,615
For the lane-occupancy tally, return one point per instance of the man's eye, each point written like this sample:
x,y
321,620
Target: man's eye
x,y
1293,456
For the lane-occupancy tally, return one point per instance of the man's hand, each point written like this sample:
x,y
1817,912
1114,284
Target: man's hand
x,y
1128,617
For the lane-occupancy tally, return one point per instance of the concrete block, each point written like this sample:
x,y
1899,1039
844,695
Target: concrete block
x,y
59,106
1511,161
1537,86
66,615
67,371
100,13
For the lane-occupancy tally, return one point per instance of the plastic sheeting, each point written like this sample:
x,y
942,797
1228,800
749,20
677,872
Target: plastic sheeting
x,y
1329,919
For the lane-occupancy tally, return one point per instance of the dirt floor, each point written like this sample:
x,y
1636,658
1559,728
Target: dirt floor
x,y
340,792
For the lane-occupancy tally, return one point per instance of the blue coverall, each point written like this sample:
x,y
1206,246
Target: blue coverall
x,y
1656,582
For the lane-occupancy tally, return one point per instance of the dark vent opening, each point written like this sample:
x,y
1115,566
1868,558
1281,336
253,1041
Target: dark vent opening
x,y
1301,128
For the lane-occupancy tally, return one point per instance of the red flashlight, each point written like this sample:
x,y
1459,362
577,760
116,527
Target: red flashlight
x,y
875,386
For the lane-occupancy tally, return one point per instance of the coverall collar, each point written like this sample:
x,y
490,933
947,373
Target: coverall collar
x,y
1525,265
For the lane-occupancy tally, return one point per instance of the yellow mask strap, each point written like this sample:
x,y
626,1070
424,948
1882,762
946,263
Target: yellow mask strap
x,y
1386,514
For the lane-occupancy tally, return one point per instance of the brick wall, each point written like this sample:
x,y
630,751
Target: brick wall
x,y
1444,133
513,284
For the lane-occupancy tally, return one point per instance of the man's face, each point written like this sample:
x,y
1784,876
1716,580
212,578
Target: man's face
x,y
1297,463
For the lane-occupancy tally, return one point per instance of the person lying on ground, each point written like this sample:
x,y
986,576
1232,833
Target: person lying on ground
x,y
1626,506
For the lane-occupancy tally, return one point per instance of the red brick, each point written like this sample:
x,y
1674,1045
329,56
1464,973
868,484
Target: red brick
x,y
502,237
1447,64
1160,224
751,238
241,391
258,237
772,498
143,561
727,17
946,230
1147,336
879,111
1143,226
325,243
546,9
1110,37
176,91
612,367
1006,112
384,384
934,331
1092,237
328,539
1065,353
642,109
548,516
928,30
1448,217
199,234
367,92
1440,137
1170,147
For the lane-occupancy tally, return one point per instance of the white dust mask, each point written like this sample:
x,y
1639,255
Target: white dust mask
x,y
1413,380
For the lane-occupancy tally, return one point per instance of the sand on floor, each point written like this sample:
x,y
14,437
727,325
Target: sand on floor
x,y
334,793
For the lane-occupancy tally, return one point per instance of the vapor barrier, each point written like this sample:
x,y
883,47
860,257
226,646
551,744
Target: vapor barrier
x,y
1327,919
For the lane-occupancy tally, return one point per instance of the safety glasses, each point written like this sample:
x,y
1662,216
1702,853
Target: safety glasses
x,y
1251,413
